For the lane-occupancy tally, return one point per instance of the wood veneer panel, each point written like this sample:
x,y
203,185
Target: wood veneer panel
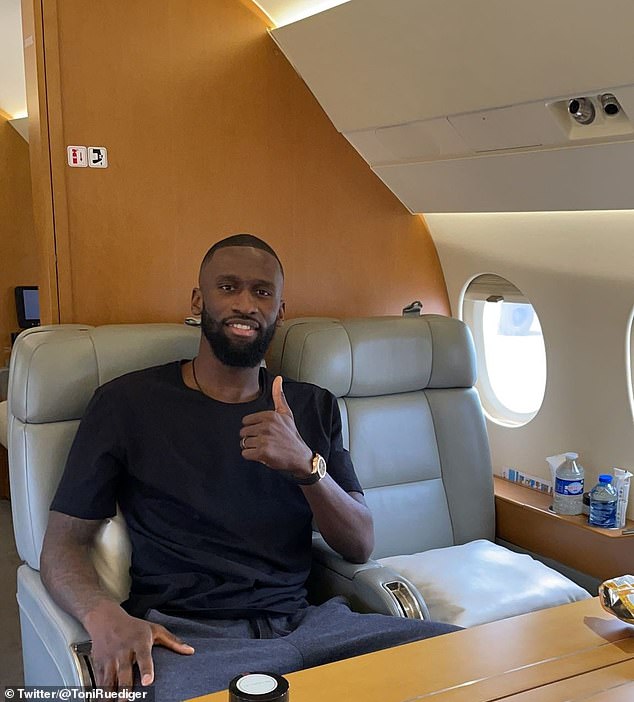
x,y
522,518
609,684
58,166
210,131
623,693
540,676
40,159
512,492
18,248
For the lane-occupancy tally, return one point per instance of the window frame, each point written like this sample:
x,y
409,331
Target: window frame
x,y
472,315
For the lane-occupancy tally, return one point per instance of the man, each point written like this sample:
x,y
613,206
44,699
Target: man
x,y
220,470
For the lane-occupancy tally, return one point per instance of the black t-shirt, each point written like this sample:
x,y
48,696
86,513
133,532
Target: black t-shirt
x,y
212,534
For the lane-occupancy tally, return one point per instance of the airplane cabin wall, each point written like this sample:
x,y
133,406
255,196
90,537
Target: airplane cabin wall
x,y
576,269
18,254
210,132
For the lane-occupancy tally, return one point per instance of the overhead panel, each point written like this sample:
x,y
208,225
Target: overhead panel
x,y
374,63
463,106
514,127
556,179
417,140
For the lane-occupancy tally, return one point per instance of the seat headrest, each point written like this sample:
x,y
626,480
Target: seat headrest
x,y
372,356
56,369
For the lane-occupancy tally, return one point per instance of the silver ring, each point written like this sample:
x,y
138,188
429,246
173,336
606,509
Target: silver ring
x,y
243,443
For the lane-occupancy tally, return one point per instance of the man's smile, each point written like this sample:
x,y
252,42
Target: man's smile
x,y
244,328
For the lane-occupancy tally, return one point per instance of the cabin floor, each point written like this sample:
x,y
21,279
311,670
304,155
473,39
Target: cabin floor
x,y
11,670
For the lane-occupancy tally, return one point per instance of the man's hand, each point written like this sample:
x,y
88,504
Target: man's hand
x,y
119,641
342,518
272,438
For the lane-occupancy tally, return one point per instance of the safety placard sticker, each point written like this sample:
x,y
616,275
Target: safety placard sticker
x,y
87,156
97,157
77,156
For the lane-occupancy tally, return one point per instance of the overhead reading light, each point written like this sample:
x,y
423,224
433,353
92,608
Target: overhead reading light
x,y
609,104
582,110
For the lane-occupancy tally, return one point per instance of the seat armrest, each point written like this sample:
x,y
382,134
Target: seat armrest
x,y
59,646
369,587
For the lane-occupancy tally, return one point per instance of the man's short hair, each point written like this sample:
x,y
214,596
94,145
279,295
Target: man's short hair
x,y
240,240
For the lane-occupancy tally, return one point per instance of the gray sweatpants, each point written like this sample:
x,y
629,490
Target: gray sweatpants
x,y
313,636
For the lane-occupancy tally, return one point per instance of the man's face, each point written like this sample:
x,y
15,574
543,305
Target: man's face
x,y
240,303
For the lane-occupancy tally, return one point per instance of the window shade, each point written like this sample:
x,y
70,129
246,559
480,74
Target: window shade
x,y
493,286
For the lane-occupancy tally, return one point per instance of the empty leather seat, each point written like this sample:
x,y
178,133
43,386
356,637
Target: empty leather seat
x,y
417,436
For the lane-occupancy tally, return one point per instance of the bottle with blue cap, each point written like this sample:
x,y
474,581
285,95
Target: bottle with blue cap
x,y
603,502
568,494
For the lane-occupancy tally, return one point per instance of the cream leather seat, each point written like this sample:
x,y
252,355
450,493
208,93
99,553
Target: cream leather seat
x,y
54,372
417,437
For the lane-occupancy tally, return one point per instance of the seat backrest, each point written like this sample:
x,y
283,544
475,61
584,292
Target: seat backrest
x,y
54,372
412,421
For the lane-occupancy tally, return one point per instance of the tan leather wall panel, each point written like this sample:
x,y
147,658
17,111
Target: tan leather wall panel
x,y
18,251
211,132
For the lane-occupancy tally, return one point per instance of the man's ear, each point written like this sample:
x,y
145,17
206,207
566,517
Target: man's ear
x,y
197,302
280,314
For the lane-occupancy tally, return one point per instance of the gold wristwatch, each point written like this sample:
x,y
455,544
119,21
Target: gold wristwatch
x,y
317,473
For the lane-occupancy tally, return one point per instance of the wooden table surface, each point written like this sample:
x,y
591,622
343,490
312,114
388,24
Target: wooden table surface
x,y
576,651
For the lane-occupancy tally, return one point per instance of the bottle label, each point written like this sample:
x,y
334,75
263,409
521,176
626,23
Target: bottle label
x,y
602,514
568,487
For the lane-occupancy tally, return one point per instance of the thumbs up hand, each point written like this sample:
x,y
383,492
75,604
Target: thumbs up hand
x,y
271,437
279,398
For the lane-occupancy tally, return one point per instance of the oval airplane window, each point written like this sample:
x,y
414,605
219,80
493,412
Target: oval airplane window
x,y
509,347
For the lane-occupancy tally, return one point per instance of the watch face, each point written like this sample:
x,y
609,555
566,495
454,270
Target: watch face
x,y
316,474
321,466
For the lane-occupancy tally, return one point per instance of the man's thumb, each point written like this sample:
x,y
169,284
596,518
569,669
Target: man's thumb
x,y
279,399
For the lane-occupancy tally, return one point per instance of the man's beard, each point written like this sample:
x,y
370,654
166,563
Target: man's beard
x,y
240,355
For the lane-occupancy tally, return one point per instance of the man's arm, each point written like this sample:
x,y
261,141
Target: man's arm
x,y
118,640
343,518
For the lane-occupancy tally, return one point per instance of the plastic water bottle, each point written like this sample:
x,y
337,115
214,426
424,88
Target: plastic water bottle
x,y
603,500
568,495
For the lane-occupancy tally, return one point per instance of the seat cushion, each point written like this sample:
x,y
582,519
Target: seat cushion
x,y
481,582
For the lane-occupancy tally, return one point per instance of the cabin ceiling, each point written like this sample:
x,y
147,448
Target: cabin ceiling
x,y
461,106
373,63
12,86
284,12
